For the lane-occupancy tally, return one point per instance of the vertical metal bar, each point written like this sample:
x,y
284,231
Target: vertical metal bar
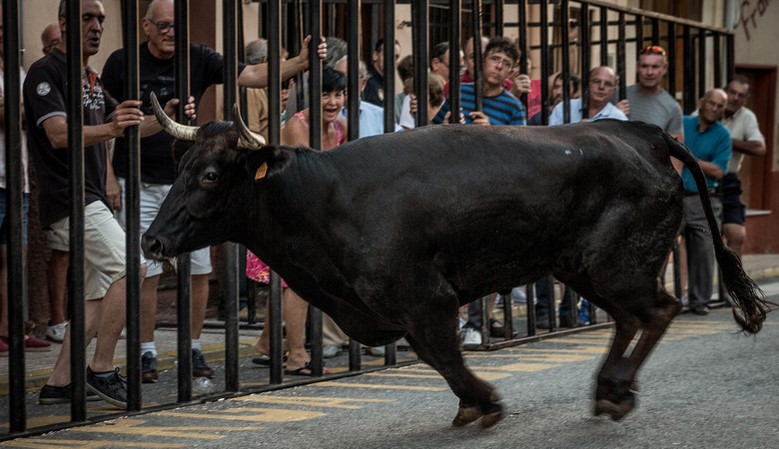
x,y
184,290
531,309
389,67
522,42
498,6
584,41
545,63
455,32
485,320
639,30
132,211
718,67
273,318
230,53
621,53
550,293
508,318
702,60
353,68
671,51
420,51
677,272
476,21
17,285
604,35
730,55
689,72
78,410
315,136
655,32
566,60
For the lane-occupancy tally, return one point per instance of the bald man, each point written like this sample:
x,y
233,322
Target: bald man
x,y
51,37
710,143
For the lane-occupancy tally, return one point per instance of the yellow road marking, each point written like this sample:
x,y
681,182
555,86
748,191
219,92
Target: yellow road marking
x,y
542,357
45,443
134,427
331,383
519,367
580,350
252,414
331,402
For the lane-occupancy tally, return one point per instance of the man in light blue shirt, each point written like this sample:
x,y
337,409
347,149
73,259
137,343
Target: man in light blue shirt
x,y
371,116
603,83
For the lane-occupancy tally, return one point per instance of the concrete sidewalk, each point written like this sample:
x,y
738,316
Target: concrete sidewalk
x,y
38,364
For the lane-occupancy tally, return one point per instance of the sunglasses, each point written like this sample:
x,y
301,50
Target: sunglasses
x,y
653,50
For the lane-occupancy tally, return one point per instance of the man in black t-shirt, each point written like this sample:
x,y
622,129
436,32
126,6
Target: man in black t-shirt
x,y
158,170
104,267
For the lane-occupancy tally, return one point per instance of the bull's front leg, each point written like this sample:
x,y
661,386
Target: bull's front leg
x,y
435,341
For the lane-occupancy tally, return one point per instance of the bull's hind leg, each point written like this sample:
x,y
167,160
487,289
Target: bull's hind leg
x,y
615,389
434,339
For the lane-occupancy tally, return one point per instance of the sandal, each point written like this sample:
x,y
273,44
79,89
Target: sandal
x,y
305,370
264,359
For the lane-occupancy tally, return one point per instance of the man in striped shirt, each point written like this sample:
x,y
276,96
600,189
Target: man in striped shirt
x,y
500,107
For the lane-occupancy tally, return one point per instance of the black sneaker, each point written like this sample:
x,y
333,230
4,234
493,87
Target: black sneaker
x,y
60,395
149,368
110,386
199,367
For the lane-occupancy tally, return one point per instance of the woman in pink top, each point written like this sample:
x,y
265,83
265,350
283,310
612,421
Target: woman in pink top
x,y
294,133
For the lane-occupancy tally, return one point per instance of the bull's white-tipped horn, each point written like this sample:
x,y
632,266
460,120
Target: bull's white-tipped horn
x,y
249,139
177,130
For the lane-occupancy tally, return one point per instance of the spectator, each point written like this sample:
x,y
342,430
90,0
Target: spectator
x,y
603,83
435,98
746,139
647,101
509,82
500,108
556,95
105,281
336,49
405,73
158,170
296,133
371,116
256,52
30,342
439,61
374,91
50,37
709,141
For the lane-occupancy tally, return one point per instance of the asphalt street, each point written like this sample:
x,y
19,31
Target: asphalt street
x,y
705,386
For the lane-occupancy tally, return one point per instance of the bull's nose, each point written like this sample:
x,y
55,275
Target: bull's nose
x,y
152,247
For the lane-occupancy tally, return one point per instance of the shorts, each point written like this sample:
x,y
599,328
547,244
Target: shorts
x,y
104,248
151,198
4,217
733,210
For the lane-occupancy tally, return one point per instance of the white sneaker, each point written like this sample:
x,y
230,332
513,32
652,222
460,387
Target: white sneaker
x,y
56,332
471,338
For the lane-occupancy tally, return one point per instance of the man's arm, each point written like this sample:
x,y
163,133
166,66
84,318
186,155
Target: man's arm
x,y
750,147
256,75
711,169
126,114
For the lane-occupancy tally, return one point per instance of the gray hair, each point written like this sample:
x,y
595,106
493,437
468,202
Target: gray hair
x,y
336,49
62,11
362,70
256,51
151,6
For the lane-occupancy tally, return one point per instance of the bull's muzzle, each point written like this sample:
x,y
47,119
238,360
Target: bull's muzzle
x,y
153,247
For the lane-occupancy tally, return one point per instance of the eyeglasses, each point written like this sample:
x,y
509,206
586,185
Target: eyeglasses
x,y
653,50
499,60
162,27
601,83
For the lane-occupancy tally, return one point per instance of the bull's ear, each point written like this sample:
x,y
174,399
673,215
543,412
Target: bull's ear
x,y
268,161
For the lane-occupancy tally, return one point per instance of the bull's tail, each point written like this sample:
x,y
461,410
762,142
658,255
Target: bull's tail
x,y
750,304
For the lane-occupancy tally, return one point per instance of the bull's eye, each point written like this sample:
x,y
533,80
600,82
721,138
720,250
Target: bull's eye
x,y
210,176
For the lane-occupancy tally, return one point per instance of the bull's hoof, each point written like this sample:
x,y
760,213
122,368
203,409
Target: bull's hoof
x,y
616,411
490,419
466,415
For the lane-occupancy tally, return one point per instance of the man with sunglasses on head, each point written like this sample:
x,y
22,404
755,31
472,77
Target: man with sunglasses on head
x,y
647,100
158,170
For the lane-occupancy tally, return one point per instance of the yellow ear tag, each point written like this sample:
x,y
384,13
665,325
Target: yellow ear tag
x,y
261,171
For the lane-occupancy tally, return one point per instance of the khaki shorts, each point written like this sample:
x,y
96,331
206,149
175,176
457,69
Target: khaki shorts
x,y
104,248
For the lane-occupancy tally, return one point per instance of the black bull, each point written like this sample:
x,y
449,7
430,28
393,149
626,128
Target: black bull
x,y
391,235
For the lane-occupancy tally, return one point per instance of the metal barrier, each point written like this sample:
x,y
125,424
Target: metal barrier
x,y
620,34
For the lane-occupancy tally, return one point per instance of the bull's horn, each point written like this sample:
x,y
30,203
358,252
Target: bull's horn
x,y
177,130
249,139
